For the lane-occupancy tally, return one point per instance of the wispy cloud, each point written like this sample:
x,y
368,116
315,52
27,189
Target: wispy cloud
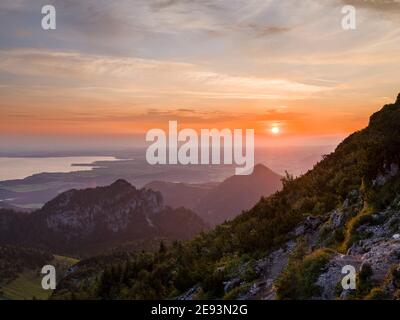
x,y
388,6
134,75
125,57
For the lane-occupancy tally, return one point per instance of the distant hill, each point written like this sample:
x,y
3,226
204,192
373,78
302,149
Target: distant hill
x,y
218,202
6,205
181,194
92,220
238,193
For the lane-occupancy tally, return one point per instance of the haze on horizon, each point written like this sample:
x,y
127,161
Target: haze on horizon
x,y
115,69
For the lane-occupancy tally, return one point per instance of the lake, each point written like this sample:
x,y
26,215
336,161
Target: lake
x,y
19,168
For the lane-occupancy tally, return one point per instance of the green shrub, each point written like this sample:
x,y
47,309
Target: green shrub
x,y
298,279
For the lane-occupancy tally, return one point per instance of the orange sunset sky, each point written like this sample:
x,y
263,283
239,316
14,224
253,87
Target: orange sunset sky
x,y
120,68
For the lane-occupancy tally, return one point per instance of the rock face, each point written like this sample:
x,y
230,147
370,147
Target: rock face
x,y
378,248
331,277
91,220
389,172
112,208
380,258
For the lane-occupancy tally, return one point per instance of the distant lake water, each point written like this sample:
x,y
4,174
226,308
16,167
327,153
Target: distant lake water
x,y
19,168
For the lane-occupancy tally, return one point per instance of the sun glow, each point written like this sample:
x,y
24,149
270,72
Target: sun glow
x,y
275,130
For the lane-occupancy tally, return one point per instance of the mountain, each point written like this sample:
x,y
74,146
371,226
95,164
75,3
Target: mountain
x,y
237,193
291,245
178,195
35,190
92,220
216,203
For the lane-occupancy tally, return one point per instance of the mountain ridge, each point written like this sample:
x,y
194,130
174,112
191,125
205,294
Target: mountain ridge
x,y
218,202
94,219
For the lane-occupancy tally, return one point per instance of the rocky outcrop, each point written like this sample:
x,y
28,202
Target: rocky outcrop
x,y
379,249
389,171
91,220
112,207
331,277
268,270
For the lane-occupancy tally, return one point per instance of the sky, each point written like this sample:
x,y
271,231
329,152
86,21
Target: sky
x,y
114,69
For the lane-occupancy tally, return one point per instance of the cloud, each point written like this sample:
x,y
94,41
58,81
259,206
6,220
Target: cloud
x,y
281,114
387,6
267,30
141,76
144,120
168,4
136,55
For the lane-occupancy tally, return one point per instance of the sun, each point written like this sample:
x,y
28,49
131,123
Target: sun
x,y
275,130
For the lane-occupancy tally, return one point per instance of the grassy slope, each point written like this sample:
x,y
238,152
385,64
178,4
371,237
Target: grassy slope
x,y
28,284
